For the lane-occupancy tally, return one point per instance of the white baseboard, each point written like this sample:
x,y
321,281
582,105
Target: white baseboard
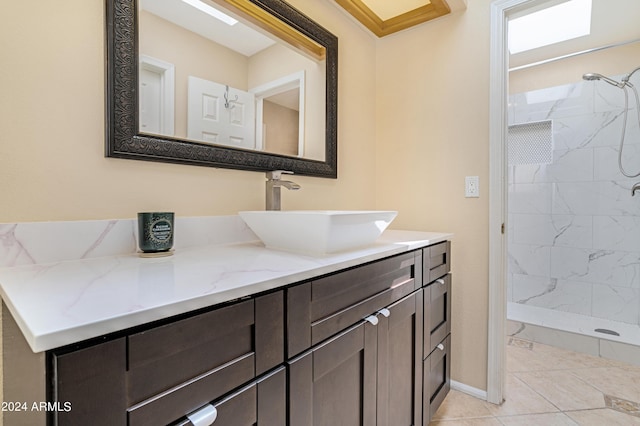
x,y
469,390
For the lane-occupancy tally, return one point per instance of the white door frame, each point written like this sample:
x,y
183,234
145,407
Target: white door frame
x,y
282,84
167,73
501,10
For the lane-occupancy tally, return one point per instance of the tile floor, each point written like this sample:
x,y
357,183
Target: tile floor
x,y
548,386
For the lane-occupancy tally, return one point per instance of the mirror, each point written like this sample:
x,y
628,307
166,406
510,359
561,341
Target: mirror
x,y
176,95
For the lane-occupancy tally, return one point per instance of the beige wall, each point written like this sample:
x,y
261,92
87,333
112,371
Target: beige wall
x,y
52,128
610,62
281,129
432,131
413,121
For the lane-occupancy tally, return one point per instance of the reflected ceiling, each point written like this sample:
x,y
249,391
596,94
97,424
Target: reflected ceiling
x,y
237,37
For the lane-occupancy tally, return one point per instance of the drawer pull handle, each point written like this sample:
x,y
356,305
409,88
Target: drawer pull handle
x,y
372,319
205,416
440,346
440,281
384,312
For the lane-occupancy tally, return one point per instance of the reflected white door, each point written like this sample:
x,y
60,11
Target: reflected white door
x,y
150,101
210,120
156,101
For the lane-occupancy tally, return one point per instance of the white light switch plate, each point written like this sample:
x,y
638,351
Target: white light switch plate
x,y
472,186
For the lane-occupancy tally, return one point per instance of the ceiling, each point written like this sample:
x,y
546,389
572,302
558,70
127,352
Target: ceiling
x,y
611,24
384,17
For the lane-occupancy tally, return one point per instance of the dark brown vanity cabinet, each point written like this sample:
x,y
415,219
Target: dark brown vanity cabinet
x,y
369,345
262,402
436,261
371,372
437,382
400,363
335,383
157,376
321,308
437,327
437,318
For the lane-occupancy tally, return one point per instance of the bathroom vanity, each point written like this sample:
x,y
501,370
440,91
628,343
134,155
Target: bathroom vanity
x,y
270,338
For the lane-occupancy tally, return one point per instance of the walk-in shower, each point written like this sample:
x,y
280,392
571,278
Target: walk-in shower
x,y
573,226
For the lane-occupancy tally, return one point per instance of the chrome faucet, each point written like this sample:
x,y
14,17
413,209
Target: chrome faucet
x,y
274,183
634,188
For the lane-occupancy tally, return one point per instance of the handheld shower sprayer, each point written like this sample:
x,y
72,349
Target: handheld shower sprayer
x,y
623,84
592,76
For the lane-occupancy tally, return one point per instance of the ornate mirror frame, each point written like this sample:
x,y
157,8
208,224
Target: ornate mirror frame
x,y
124,140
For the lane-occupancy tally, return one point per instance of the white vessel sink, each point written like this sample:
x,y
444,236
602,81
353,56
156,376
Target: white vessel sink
x,y
317,231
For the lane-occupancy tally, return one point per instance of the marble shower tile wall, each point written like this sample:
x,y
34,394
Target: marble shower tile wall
x,y
574,242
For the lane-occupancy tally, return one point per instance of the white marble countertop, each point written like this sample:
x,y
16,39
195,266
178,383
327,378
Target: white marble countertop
x,y
56,304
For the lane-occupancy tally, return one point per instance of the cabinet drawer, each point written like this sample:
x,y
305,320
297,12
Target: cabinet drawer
x,y
261,403
436,261
218,350
436,379
189,396
319,309
437,312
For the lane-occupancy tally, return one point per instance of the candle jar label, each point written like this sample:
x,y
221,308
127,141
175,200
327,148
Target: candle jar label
x,y
160,231
155,232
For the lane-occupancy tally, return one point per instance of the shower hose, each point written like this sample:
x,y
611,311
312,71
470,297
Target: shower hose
x,y
624,126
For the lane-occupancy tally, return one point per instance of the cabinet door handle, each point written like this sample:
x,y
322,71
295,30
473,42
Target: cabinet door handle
x,y
385,312
440,281
372,319
205,416
440,346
